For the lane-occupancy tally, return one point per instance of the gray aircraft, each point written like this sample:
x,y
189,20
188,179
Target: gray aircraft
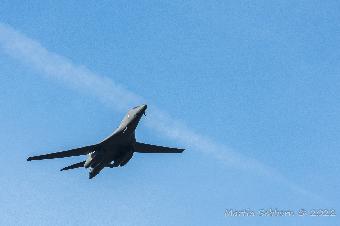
x,y
114,151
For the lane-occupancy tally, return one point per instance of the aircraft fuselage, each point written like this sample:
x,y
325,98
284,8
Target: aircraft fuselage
x,y
117,148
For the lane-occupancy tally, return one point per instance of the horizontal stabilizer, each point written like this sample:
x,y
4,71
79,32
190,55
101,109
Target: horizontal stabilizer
x,y
74,152
149,148
73,166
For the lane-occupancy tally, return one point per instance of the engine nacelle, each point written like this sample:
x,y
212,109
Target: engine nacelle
x,y
126,158
92,160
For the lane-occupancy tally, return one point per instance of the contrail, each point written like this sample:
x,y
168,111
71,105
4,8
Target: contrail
x,y
49,64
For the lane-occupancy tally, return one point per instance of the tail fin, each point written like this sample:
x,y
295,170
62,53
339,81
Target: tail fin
x,y
73,166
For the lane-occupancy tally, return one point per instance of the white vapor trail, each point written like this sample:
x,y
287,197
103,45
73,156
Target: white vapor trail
x,y
33,54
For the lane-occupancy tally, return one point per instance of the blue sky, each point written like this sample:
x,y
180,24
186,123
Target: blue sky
x,y
250,89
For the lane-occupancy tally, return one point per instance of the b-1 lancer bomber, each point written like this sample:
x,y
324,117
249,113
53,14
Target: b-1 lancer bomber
x,y
114,151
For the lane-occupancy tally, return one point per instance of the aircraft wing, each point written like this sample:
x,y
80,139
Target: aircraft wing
x,y
73,152
149,148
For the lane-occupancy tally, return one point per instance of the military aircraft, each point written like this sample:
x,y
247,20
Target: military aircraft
x,y
114,151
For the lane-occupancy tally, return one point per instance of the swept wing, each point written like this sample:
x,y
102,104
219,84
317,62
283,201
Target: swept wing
x,y
73,152
150,148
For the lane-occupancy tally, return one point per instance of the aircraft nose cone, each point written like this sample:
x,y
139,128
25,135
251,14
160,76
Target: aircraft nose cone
x,y
142,109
